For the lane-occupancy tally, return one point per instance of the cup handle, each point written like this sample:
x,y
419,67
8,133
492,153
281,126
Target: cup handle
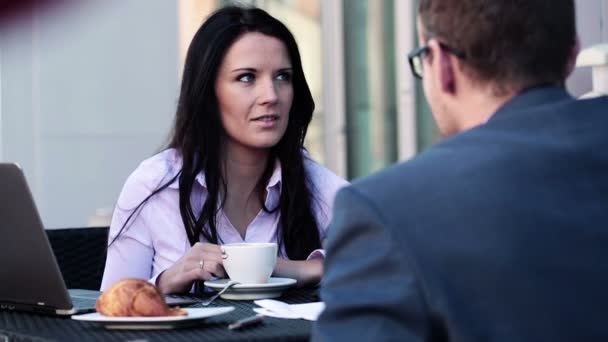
x,y
224,255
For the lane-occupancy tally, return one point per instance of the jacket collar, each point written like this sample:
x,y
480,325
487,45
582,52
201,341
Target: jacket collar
x,y
531,98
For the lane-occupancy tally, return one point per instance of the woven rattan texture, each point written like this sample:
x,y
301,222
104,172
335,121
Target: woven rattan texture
x,y
7,336
42,328
81,255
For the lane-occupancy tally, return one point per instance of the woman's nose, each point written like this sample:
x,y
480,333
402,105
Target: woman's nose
x,y
268,93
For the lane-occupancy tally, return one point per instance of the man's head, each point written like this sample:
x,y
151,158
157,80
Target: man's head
x,y
479,53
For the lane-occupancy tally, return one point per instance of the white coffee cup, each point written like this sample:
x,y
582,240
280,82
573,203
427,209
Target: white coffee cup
x,y
249,263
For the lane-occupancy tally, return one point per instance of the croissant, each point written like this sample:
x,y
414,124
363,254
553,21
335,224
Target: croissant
x,y
134,297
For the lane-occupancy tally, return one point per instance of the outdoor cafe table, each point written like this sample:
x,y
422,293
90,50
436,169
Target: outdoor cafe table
x,y
17,326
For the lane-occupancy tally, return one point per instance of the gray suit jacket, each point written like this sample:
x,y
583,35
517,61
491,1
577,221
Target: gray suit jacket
x,y
496,234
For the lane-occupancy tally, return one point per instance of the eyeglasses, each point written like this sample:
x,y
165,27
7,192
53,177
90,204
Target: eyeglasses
x,y
415,57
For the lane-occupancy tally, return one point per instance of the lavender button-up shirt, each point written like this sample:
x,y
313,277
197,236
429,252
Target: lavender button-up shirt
x,y
155,237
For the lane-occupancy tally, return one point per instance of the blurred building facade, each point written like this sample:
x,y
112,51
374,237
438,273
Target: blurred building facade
x,y
87,91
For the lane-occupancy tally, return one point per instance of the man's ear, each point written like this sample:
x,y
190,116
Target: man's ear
x,y
573,55
445,67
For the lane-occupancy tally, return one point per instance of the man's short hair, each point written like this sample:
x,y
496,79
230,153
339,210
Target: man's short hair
x,y
513,44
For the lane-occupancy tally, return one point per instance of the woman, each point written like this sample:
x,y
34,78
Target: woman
x,y
235,169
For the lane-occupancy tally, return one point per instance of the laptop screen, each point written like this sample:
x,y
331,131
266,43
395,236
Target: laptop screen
x,y
28,269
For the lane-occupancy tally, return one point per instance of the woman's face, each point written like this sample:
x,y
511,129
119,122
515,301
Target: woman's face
x,y
254,91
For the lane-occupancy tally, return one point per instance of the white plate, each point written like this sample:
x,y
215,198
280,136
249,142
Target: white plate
x,y
195,316
272,289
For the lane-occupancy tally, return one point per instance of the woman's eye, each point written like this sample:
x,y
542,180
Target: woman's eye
x,y
284,76
247,78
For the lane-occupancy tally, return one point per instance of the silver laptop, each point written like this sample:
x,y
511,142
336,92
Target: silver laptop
x,y
30,279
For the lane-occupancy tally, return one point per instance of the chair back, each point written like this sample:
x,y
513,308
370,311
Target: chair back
x,y
81,255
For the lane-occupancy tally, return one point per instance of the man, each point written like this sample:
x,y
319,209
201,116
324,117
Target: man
x,y
499,232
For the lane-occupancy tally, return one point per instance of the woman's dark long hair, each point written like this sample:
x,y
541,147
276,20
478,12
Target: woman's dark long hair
x,y
198,130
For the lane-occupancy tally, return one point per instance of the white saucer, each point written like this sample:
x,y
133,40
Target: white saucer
x,y
195,316
272,289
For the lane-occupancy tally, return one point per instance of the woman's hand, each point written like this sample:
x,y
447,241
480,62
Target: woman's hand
x,y
202,262
306,272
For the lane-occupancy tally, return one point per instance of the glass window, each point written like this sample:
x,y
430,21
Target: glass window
x,y
370,85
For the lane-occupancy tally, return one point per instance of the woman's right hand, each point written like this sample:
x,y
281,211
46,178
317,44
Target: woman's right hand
x,y
202,262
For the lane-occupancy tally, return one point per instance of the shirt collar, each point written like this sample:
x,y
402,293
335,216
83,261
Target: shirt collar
x,y
273,183
275,178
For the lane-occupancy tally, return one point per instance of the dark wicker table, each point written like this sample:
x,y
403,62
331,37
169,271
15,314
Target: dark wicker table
x,y
15,326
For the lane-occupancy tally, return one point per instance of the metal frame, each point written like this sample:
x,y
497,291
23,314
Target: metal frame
x,y
334,122
1,145
405,23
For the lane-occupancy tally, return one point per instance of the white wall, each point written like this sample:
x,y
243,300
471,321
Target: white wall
x,y
592,26
87,91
